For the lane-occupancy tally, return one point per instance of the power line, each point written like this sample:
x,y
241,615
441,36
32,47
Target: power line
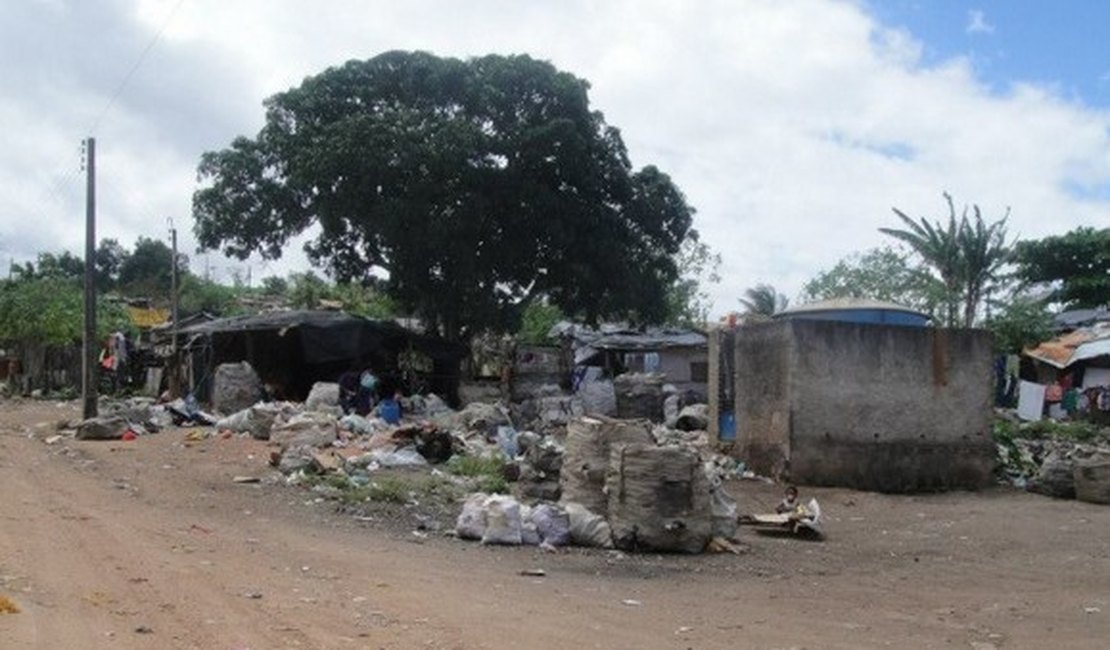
x,y
135,67
62,185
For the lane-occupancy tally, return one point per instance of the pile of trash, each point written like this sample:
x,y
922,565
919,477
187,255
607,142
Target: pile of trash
x,y
126,419
624,484
1054,465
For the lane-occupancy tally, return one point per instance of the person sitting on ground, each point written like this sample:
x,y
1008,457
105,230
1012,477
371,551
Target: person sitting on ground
x,y
789,501
348,390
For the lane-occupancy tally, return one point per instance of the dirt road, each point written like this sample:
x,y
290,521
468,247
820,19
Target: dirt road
x,y
149,544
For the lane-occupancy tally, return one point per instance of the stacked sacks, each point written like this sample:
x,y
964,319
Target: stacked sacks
x,y
1092,479
639,395
501,519
620,486
586,458
658,499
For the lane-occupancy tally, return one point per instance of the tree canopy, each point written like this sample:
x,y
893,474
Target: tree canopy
x,y
879,274
476,186
1077,262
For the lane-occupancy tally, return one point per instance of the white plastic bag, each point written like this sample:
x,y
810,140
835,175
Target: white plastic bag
x,y
471,523
503,525
587,528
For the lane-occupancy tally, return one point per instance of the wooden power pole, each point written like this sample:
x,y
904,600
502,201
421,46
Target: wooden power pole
x,y
174,380
89,361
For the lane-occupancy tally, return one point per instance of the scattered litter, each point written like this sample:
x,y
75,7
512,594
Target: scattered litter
x,y
53,440
722,545
8,606
1092,610
631,602
246,479
254,595
538,573
144,629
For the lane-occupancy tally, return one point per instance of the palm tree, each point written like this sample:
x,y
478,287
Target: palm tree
x,y
939,247
983,250
965,255
763,300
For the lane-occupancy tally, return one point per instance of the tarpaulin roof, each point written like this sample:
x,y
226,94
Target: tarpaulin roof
x,y
589,341
1079,345
330,335
619,337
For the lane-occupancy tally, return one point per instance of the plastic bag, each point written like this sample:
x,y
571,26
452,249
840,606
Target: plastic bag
x,y
552,524
471,523
507,441
587,528
724,513
404,457
503,525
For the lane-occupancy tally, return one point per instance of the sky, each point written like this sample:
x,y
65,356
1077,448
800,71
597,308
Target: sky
x,y
792,126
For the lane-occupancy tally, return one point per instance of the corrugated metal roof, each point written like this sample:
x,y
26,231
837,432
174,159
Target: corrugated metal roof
x,y
1082,344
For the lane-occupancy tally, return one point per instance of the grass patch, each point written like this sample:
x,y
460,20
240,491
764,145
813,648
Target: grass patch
x,y
488,472
475,466
401,489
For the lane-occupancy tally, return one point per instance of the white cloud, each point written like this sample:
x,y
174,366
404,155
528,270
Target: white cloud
x,y
977,23
792,127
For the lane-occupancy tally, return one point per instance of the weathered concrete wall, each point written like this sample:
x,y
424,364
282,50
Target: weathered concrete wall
x,y
763,368
874,407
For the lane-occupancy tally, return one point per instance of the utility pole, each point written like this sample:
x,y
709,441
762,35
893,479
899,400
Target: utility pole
x,y
89,365
175,375
173,284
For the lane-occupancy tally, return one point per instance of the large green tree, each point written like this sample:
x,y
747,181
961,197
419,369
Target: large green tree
x,y
688,299
476,186
147,271
1077,263
50,309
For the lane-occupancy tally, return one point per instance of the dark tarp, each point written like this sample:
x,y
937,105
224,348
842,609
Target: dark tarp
x,y
295,348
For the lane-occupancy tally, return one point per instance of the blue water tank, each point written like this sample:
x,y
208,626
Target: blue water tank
x,y
856,310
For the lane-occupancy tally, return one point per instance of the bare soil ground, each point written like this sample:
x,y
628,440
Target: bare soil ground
x,y
149,544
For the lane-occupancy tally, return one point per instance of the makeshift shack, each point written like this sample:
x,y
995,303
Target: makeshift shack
x,y
1069,376
291,350
680,355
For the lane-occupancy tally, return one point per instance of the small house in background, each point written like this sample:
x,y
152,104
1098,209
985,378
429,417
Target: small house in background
x,y
680,355
856,310
1068,376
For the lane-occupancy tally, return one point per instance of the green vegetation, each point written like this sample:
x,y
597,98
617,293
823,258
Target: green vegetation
x,y
488,470
1076,265
538,319
878,274
1005,431
476,186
